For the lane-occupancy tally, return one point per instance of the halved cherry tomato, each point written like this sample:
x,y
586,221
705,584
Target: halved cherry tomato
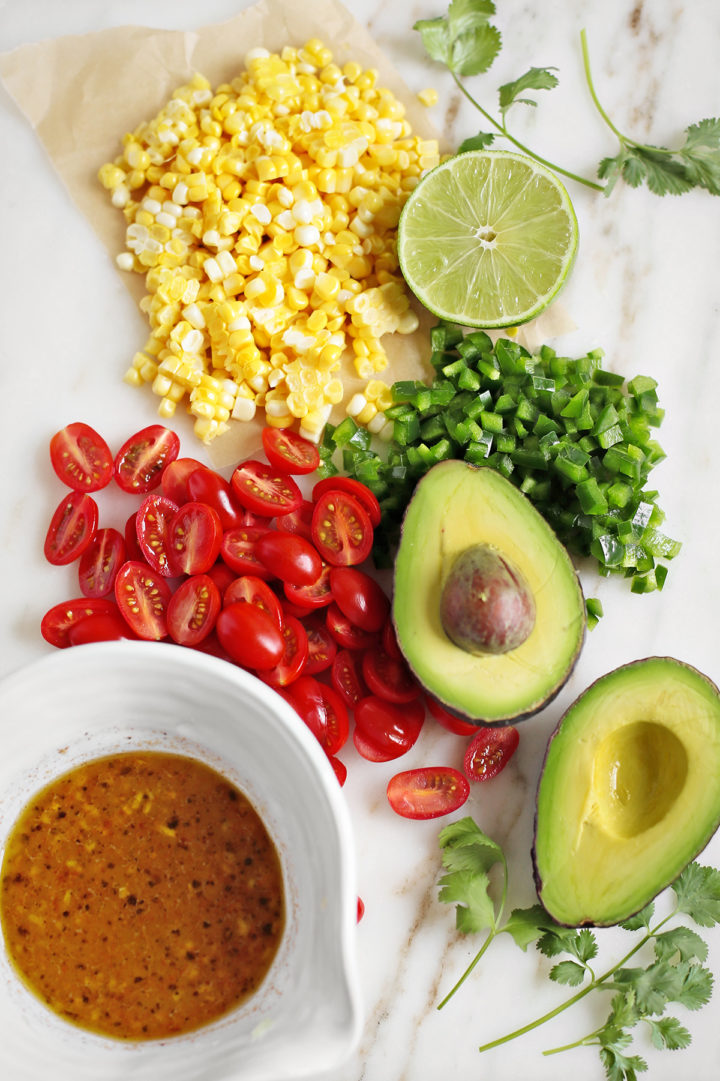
x,y
389,642
390,729
359,597
132,548
100,563
206,486
250,636
57,621
99,628
354,488
345,633
249,589
369,750
323,711
287,450
143,595
489,752
174,479
289,557
194,539
237,549
347,679
193,610
427,792
294,656
298,521
339,768
71,529
153,521
81,458
389,678
341,529
448,720
317,595
140,462
322,647
265,490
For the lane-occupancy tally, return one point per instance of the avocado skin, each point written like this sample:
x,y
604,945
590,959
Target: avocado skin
x,y
549,693
689,856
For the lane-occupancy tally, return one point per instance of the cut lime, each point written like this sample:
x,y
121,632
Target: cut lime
x,y
487,238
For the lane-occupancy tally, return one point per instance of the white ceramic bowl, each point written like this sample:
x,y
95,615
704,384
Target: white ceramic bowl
x,y
93,700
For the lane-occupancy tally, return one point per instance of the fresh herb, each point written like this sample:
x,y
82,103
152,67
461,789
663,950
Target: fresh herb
x,y
675,974
467,43
575,438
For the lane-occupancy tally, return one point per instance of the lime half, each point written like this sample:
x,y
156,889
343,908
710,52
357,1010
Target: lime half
x,y
487,238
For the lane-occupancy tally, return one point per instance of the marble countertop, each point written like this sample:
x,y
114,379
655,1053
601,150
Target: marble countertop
x,y
644,288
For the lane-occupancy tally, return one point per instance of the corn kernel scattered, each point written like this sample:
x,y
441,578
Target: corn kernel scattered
x,y
263,215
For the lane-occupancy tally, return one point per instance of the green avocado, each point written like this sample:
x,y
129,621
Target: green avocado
x,y
487,606
629,792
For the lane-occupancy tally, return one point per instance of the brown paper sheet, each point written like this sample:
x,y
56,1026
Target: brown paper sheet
x,y
82,93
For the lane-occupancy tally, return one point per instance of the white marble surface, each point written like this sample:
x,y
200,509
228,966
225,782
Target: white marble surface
x,y
644,288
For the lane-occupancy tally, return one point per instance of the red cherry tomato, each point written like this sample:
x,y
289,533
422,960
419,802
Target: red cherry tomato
x,y
195,536
153,520
206,486
250,636
489,751
347,679
175,476
140,462
193,610
99,628
427,792
449,720
237,549
289,557
321,646
72,528
339,768
341,529
100,563
143,595
316,595
298,521
287,450
132,548
345,633
360,909
389,678
371,751
222,576
81,458
323,711
249,589
389,642
265,490
359,597
389,728
294,656
57,621
353,487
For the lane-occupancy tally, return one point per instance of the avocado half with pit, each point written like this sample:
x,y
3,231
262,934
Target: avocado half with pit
x,y
487,605
629,792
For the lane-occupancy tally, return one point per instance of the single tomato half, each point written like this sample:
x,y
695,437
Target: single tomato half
x,y
194,538
143,595
174,478
265,490
295,654
341,529
250,636
289,557
204,485
356,489
141,460
193,610
72,528
489,751
152,523
249,589
388,728
237,550
100,562
388,677
323,711
427,791
81,458
287,450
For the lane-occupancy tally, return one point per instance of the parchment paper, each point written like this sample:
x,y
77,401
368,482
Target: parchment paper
x,y
82,93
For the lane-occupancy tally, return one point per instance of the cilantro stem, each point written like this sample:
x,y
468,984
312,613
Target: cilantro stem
x,y
468,970
521,146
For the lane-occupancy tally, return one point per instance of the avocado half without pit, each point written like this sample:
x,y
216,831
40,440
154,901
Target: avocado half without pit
x,y
487,605
629,792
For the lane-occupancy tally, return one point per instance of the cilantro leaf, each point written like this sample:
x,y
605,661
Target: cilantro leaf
x,y
569,972
476,142
464,15
619,1067
584,945
652,986
475,50
697,889
681,941
701,154
532,79
435,38
668,1032
694,986
468,854
475,910
640,919
623,1011
463,39
466,847
527,924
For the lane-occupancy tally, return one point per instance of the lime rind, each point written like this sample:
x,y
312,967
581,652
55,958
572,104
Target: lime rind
x,y
487,239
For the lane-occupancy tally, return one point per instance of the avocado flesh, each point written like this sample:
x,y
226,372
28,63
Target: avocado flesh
x,y
455,506
629,792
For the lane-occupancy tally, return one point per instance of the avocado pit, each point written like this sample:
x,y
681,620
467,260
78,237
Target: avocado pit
x,y
486,604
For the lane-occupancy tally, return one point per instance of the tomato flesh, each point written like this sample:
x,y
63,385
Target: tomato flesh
x,y
250,636
152,524
316,595
341,529
322,648
347,679
264,490
345,633
193,610
72,528
356,489
56,623
250,589
388,677
427,792
140,462
143,595
100,562
489,752
175,476
81,458
323,711
237,549
195,537
287,450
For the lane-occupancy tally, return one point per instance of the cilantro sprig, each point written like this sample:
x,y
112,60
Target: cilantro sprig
x,y
467,43
641,994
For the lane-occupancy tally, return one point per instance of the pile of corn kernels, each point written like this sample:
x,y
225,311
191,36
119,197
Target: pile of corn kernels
x,y
263,215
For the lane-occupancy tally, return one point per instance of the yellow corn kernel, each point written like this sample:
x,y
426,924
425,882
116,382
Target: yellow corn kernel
x,y
366,414
428,97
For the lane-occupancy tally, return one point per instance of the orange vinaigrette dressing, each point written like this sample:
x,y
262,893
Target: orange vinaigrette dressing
x,y
141,896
